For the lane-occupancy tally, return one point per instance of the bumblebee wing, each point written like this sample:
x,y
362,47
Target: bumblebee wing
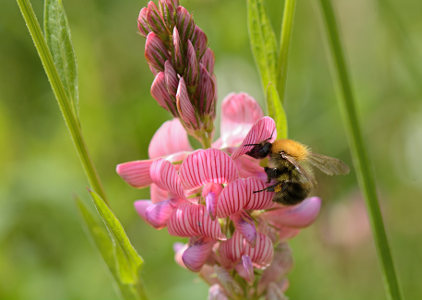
x,y
328,165
302,171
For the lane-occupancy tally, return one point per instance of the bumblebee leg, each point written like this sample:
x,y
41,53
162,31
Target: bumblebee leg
x,y
272,173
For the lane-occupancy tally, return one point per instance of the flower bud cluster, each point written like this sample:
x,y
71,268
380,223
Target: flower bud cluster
x,y
177,53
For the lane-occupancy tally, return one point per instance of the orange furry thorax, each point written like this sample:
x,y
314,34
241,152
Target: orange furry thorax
x,y
292,148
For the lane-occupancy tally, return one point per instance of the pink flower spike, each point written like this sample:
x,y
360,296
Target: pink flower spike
x,y
143,23
210,192
178,47
208,60
136,173
155,52
175,137
245,269
260,200
216,292
239,113
246,226
232,199
260,131
298,216
161,95
195,256
192,73
262,254
164,175
172,82
155,19
205,166
184,23
200,41
184,106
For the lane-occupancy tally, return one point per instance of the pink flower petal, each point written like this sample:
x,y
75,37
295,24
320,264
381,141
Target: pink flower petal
x,y
161,95
179,248
158,214
262,254
203,224
282,263
141,207
155,52
231,251
170,76
204,166
285,233
260,200
249,167
232,199
239,113
208,60
173,135
260,131
195,256
210,192
155,19
298,216
164,174
245,269
136,173
158,194
216,292
179,223
200,41
246,226
143,26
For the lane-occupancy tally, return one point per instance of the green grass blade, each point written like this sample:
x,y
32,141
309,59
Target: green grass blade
x,y
283,53
263,42
112,254
57,35
276,111
359,154
60,93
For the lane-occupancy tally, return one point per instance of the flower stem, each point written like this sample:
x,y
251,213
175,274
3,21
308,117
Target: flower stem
x,y
70,119
286,32
360,157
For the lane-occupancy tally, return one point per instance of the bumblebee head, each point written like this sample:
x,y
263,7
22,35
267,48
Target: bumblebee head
x,y
260,150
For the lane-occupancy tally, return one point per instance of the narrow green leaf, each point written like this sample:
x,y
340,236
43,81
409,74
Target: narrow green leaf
x,y
118,234
57,34
112,254
276,111
263,42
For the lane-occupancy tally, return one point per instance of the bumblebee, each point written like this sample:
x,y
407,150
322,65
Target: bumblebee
x,y
290,168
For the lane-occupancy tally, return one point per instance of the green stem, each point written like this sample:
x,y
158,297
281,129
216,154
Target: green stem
x,y
60,94
286,32
360,157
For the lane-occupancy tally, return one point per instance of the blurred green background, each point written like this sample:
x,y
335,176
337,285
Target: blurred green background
x,y
44,251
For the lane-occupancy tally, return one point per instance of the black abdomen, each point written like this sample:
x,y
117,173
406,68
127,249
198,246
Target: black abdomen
x,y
291,193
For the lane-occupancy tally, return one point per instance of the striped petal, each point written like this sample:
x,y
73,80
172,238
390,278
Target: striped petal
x,y
249,167
158,194
246,226
260,131
179,223
197,254
173,136
203,224
232,199
161,95
298,216
158,214
210,192
262,254
165,176
205,166
184,105
259,200
136,173
238,113
231,251
155,52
